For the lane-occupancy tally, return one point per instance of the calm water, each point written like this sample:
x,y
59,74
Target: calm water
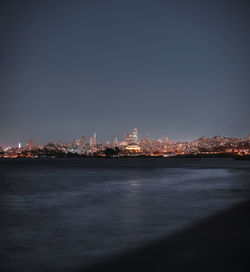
x,y
58,215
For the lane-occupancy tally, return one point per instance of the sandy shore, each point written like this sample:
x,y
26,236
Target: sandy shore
x,y
219,243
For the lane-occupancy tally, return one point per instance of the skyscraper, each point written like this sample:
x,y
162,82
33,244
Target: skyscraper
x,y
135,135
92,140
115,143
129,138
165,140
30,144
132,137
83,141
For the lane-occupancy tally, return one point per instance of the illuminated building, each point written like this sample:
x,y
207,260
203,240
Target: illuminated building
x,y
135,135
132,138
123,143
115,143
19,145
60,143
165,140
30,144
83,141
92,140
76,143
133,148
129,138
107,143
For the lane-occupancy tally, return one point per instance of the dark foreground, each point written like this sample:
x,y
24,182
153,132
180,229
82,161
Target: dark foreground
x,y
65,215
219,243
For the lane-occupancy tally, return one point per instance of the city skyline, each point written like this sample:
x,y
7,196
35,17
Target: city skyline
x,y
130,137
120,137
130,145
171,68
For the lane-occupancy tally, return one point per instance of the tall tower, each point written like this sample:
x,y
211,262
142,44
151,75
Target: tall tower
x,y
165,140
95,142
129,138
115,143
83,141
92,140
135,135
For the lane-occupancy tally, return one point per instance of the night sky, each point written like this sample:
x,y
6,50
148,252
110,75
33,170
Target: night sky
x,y
170,68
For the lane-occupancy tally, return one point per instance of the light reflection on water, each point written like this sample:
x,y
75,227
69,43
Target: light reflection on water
x,y
64,217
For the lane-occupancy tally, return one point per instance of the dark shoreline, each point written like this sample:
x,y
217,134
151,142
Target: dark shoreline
x,y
127,162
219,243
186,156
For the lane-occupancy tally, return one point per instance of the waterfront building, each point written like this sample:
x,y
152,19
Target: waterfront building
x,y
134,148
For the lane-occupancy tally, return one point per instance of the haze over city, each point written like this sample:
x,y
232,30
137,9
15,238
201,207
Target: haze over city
x,y
170,68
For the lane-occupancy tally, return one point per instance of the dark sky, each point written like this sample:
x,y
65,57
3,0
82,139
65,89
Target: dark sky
x,y
170,68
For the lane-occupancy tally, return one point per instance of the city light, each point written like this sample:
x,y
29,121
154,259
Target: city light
x,y
131,145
